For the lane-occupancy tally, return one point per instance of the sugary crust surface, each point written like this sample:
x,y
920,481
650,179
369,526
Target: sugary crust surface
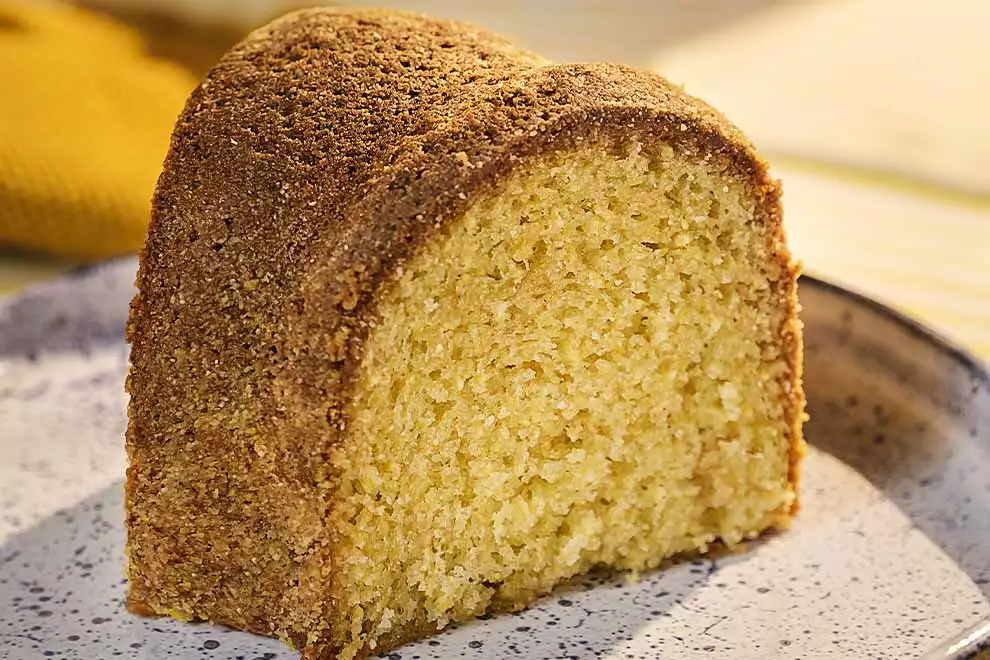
x,y
304,170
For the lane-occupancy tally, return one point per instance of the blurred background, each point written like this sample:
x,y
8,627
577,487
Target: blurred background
x,y
874,113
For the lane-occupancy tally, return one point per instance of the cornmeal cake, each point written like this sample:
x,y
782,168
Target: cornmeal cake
x,y
427,325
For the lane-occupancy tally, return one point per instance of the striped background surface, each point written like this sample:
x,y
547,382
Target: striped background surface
x,y
923,255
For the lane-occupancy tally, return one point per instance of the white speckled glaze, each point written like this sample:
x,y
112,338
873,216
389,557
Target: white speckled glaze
x,y
890,555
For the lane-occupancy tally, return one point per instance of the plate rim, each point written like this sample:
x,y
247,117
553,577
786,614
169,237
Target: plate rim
x,y
977,367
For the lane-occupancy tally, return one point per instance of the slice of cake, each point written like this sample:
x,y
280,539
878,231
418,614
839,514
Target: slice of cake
x,y
427,325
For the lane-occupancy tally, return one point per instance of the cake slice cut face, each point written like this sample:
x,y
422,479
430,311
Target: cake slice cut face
x,y
422,350
583,372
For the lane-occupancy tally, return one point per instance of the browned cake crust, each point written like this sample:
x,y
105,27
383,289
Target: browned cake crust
x,y
312,161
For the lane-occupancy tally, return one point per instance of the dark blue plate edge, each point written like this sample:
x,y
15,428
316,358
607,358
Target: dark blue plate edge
x,y
977,368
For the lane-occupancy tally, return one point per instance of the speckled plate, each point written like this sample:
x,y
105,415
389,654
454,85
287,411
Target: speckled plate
x,y
890,555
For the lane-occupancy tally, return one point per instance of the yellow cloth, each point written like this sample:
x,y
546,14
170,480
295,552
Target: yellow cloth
x,y
85,119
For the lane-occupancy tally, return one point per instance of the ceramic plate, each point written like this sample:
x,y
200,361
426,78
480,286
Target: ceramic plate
x,y
890,555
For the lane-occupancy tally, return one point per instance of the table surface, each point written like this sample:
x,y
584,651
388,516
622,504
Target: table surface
x,y
884,157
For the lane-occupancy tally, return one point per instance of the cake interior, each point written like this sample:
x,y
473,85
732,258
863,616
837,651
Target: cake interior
x,y
586,369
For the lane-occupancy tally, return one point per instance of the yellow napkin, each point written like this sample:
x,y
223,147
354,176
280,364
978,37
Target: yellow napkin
x,y
85,119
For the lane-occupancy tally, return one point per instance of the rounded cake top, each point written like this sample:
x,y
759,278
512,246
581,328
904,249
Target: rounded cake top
x,y
342,134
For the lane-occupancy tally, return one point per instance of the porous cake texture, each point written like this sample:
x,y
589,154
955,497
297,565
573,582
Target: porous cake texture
x,y
427,325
